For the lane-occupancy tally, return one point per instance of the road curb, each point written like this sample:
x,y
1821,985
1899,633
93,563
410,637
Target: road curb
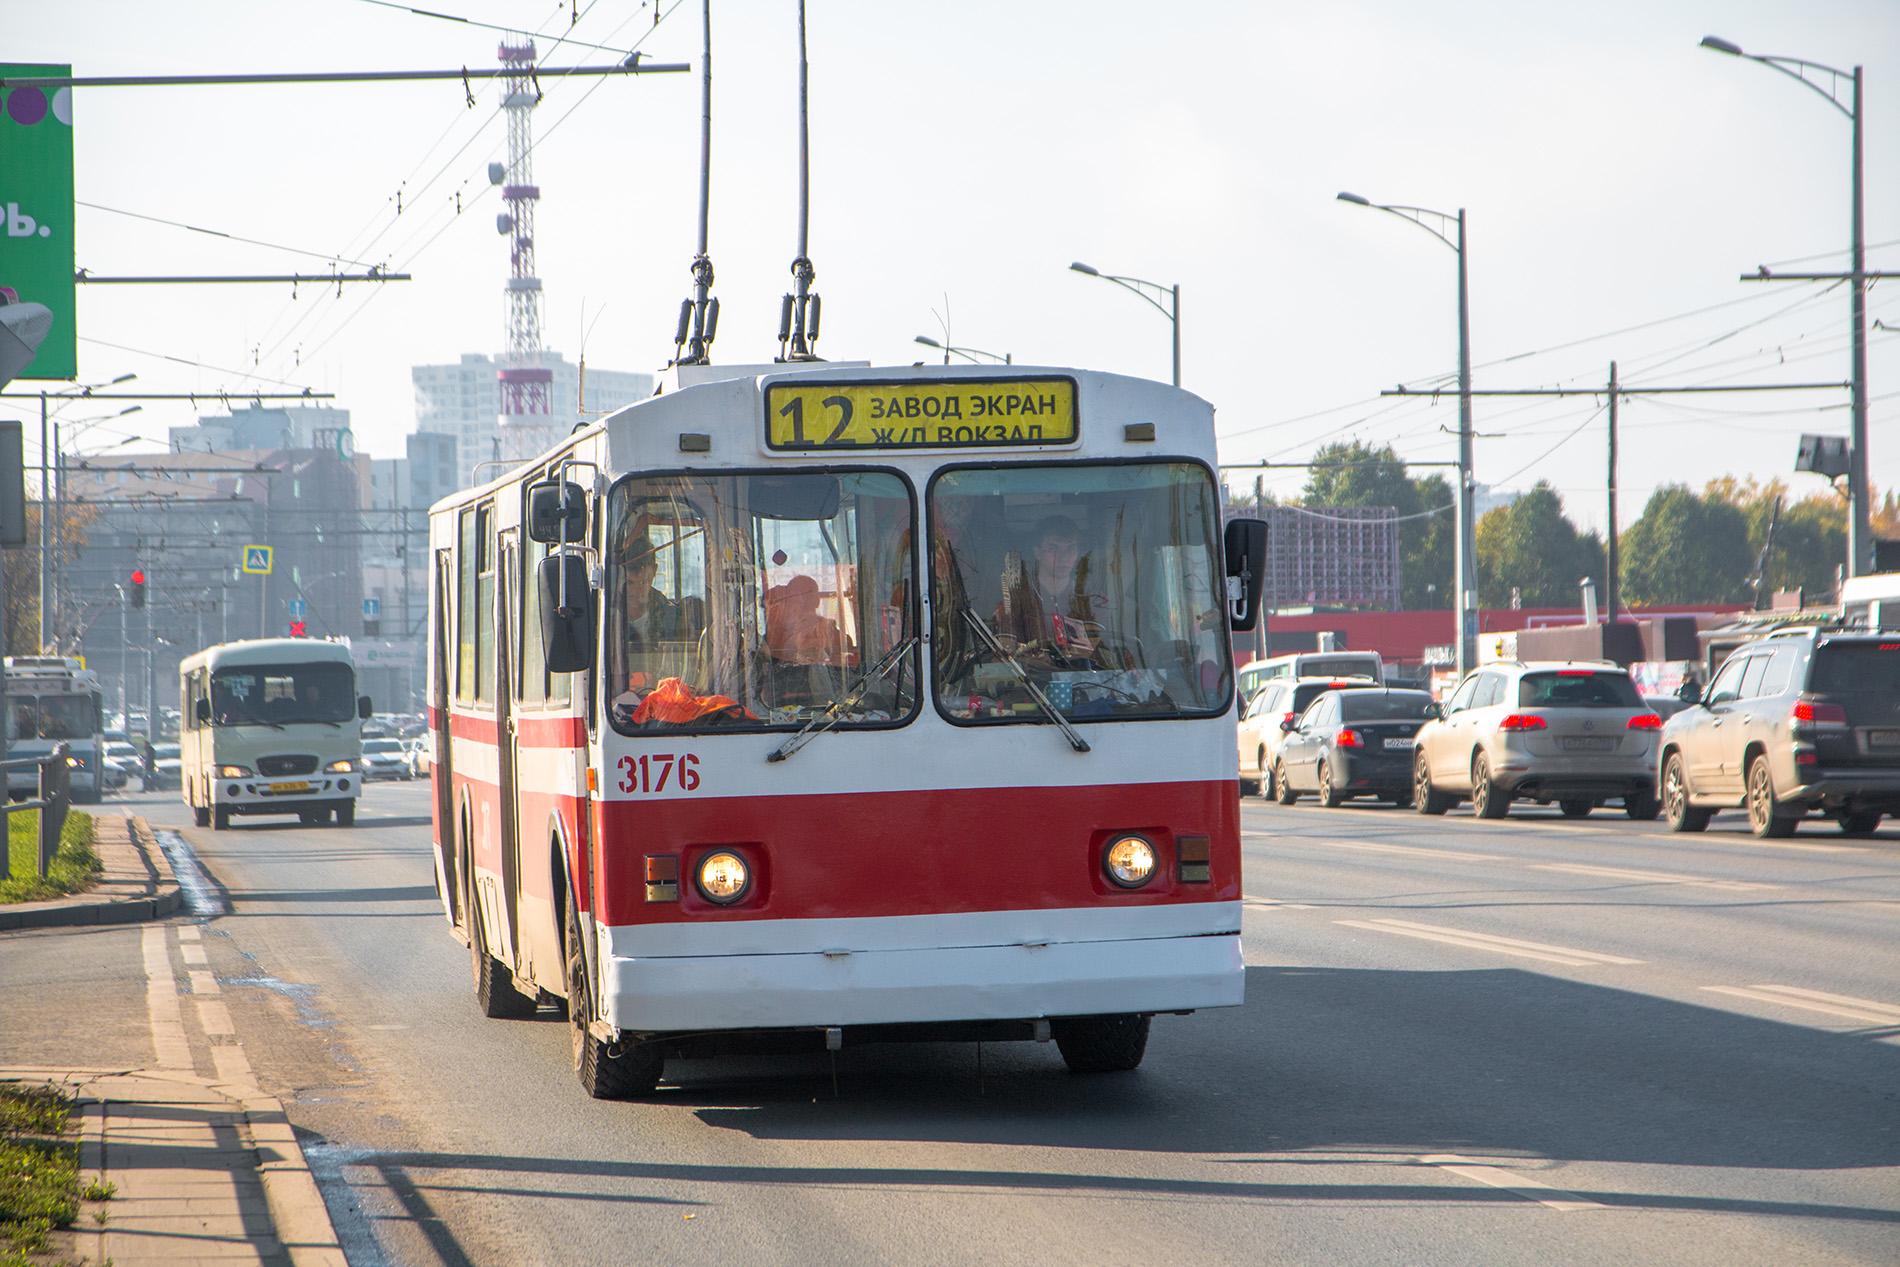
x,y
135,862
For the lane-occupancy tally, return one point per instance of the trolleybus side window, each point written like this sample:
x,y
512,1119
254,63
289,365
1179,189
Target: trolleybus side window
x,y
484,605
465,608
1105,593
538,686
758,601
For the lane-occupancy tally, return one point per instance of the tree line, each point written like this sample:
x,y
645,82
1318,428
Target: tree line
x,y
1687,546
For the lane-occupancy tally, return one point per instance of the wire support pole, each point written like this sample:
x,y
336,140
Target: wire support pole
x,y
1610,587
1467,542
632,66
83,278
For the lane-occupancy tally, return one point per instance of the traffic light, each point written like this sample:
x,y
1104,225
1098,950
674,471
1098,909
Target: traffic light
x,y
138,587
296,628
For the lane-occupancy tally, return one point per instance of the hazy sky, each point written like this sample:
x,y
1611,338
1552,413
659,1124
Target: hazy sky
x,y
1615,175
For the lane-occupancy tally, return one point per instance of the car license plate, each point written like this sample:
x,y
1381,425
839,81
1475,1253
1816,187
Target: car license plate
x,y
1888,738
1400,743
289,787
1590,745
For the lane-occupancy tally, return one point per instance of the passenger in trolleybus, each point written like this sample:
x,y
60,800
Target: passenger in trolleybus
x,y
775,566
1125,554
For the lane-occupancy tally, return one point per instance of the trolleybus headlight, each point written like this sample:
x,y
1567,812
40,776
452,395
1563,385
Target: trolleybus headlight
x,y
234,772
340,767
723,877
1129,861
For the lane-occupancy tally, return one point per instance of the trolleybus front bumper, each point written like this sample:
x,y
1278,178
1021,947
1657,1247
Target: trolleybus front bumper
x,y
996,965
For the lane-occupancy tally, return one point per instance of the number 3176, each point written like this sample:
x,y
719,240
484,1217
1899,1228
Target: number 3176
x,y
653,772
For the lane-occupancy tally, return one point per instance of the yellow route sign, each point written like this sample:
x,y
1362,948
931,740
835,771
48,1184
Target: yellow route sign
x,y
958,413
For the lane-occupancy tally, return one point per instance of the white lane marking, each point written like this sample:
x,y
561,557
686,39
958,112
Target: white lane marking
x,y
1649,877
1523,1185
1486,941
204,983
214,1018
1449,855
1274,903
1782,844
193,953
187,932
163,1015
1843,1005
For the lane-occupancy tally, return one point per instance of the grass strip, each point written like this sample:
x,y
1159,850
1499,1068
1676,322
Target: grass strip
x,y
39,1170
75,865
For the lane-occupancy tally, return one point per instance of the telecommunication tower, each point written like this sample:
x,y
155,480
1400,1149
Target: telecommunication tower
x,y
527,386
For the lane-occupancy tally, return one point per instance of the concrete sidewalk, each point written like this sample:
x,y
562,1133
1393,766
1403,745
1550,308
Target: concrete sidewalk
x,y
202,1171
136,883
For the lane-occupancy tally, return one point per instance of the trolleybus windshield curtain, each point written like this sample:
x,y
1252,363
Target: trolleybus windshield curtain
x,y
1101,582
756,602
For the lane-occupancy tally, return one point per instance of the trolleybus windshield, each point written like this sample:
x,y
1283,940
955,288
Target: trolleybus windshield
x,y
52,717
1098,580
759,601
283,694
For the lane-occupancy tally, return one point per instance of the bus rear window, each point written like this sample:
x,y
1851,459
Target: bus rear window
x,y
1384,705
1574,688
1340,666
1841,667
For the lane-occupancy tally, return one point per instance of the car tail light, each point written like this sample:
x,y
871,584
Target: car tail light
x,y
1348,739
1815,713
1576,672
1806,756
1523,721
1287,717
1645,721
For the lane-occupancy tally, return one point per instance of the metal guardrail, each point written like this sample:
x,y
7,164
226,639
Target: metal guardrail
x,y
54,800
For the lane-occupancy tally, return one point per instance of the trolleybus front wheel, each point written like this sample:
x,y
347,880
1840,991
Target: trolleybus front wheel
x,y
608,1071
1102,1044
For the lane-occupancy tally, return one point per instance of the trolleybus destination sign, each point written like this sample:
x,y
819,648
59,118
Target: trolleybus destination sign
x,y
803,416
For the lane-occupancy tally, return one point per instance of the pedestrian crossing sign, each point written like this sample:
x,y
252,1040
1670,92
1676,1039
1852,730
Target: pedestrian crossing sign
x,y
257,560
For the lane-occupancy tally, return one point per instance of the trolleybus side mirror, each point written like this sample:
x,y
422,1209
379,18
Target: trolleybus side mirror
x,y
1246,542
557,513
203,711
566,632
363,708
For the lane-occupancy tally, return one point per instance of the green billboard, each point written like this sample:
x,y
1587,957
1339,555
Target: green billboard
x,y
36,209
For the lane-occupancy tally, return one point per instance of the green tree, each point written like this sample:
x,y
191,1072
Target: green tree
x,y
1353,473
1686,549
1531,546
1810,538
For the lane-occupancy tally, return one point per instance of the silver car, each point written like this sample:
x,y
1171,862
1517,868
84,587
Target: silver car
x,y
1573,733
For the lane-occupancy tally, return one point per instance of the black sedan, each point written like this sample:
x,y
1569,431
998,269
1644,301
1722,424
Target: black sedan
x,y
1353,742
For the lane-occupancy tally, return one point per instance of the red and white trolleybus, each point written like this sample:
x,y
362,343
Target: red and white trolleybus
x,y
822,704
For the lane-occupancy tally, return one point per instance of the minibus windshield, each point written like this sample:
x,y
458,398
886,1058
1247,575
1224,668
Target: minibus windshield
x,y
283,694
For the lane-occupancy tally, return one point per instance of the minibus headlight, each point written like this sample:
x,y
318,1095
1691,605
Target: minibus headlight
x,y
1129,861
340,767
234,772
724,877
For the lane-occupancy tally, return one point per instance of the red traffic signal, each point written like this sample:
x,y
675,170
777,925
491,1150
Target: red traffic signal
x,y
138,576
138,587
296,628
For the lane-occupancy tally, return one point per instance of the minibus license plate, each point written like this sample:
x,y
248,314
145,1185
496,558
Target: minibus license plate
x,y
290,787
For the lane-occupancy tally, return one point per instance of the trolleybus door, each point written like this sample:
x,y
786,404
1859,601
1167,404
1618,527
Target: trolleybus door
x,y
440,769
507,629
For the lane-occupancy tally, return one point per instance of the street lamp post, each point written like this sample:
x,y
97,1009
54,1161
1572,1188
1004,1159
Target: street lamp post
x,y
1150,292
975,355
1465,551
1860,542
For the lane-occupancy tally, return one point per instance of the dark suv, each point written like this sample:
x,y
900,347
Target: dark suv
x,y
1794,723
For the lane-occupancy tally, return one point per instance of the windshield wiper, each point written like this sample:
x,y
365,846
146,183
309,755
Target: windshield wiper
x,y
1035,692
821,722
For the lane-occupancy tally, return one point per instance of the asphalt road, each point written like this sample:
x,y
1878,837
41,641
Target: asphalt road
x,y
1533,1041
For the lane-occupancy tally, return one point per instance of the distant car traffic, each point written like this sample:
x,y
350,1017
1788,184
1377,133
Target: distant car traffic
x,y
385,759
1800,722
1260,734
166,767
1353,742
1573,733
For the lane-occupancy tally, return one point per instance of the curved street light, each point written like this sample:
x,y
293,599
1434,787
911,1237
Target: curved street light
x,y
1153,293
1450,229
1860,544
968,354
